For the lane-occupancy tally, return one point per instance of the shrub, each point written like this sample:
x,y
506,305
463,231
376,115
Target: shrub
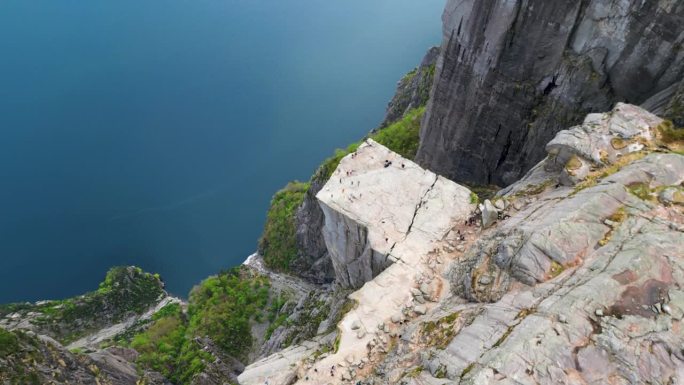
x,y
8,343
222,307
326,169
278,244
403,136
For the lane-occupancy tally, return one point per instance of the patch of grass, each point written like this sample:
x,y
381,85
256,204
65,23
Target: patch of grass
x,y
278,244
8,343
556,269
484,192
641,190
77,351
474,199
618,217
409,76
336,344
440,333
413,373
575,163
525,312
328,167
402,137
467,369
595,176
321,351
431,71
619,143
669,133
349,305
441,371
503,337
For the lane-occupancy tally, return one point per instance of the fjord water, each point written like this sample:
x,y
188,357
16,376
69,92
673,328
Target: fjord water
x,y
154,133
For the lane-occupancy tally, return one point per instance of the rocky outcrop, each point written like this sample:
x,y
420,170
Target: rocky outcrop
x,y
514,73
47,332
577,280
126,297
385,219
29,359
413,90
378,206
313,262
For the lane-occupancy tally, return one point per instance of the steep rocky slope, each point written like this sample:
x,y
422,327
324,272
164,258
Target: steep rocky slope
x,y
576,279
127,295
514,73
33,336
29,359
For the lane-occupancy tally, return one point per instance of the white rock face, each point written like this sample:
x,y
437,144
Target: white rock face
x,y
571,285
380,207
383,225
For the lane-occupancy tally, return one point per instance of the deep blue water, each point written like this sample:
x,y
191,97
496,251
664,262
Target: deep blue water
x,y
155,132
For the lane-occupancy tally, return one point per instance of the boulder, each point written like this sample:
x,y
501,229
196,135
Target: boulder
x,y
489,213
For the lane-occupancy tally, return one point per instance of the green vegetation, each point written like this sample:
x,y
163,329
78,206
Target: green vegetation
x,y
483,192
431,72
595,176
20,354
556,269
125,290
326,169
221,308
467,369
441,371
402,136
617,217
278,244
619,143
336,344
440,333
8,343
474,199
669,133
273,317
413,373
573,164
409,76
641,190
160,345
504,336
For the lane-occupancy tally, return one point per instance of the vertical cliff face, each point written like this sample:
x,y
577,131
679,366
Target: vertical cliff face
x,y
514,73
